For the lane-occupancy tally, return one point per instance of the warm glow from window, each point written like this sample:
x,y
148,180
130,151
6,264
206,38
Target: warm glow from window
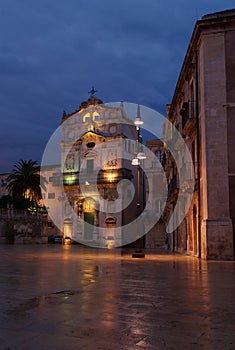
x,y
89,206
69,179
87,117
68,228
27,193
96,116
111,177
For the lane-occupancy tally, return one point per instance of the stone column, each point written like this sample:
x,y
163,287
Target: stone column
x,y
216,228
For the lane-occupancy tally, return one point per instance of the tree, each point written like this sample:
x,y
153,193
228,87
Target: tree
x,y
24,181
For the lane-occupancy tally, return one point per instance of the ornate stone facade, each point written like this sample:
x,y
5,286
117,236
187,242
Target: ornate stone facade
x,y
98,144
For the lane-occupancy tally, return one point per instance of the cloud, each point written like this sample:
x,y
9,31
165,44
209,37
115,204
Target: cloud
x,y
52,52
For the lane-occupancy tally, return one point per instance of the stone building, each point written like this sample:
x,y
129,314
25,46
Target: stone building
x,y
52,197
203,111
94,188
156,236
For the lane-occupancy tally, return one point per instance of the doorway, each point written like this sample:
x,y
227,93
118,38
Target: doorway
x,y
194,230
89,219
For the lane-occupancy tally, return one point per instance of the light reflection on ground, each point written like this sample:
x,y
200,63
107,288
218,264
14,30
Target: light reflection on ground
x,y
70,297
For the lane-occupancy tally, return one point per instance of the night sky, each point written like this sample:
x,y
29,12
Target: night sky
x,y
53,52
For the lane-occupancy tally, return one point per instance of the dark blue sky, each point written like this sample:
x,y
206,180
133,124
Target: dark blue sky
x,y
52,52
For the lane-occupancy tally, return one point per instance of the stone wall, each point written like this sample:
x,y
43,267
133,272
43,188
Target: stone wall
x,y
21,227
156,237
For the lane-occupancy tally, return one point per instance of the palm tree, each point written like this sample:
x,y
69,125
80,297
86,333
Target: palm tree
x,y
24,181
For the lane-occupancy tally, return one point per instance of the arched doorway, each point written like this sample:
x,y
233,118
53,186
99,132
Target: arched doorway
x,y
195,229
184,235
110,222
68,228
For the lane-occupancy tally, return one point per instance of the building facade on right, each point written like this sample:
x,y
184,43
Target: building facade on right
x,y
203,111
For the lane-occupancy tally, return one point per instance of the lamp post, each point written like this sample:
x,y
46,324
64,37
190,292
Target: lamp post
x,y
138,253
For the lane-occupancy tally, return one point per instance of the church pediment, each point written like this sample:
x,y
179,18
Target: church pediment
x,y
92,136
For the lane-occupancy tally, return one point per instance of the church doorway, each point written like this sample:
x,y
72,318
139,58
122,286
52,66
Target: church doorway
x,y
89,218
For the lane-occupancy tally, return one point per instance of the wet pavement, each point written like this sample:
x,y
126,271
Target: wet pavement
x,y
70,297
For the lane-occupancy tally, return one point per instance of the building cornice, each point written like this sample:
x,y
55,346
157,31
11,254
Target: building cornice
x,y
218,22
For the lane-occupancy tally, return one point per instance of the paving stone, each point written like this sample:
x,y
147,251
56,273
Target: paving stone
x,y
77,298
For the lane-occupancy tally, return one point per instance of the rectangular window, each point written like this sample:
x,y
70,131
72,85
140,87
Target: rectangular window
x,y
55,180
90,165
192,101
51,195
159,155
50,224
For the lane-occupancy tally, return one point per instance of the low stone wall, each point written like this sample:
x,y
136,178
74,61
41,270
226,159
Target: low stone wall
x,y
21,227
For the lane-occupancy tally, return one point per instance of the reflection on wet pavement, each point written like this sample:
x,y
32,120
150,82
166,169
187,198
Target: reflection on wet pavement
x,y
70,297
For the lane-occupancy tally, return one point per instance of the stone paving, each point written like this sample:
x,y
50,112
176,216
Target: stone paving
x,y
70,297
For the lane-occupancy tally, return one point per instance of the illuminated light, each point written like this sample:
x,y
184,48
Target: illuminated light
x,y
68,227
110,242
111,177
28,193
69,179
67,241
138,121
141,155
135,161
89,205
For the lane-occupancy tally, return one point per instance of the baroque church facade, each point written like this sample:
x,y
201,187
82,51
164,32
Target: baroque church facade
x,y
92,195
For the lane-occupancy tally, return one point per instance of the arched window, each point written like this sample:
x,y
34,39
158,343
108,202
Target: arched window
x,y
96,116
158,155
89,205
87,117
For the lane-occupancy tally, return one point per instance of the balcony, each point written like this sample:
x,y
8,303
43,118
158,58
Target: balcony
x,y
70,178
188,117
188,176
103,177
113,176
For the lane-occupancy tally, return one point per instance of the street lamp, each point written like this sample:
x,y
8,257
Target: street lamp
x,y
138,253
